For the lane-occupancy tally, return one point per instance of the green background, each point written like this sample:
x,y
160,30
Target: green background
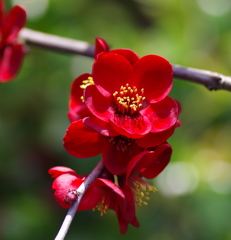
x,y
193,201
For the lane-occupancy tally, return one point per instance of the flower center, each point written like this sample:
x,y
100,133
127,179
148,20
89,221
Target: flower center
x,y
140,189
86,83
121,142
128,99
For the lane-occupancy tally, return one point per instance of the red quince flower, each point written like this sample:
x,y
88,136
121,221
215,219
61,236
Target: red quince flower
x,y
116,115
11,51
103,194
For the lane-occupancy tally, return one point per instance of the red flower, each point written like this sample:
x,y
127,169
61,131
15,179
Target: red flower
x,y
11,52
122,108
103,194
130,94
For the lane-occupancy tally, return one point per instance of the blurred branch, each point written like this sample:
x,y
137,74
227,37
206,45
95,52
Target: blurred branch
x,y
79,193
211,80
56,43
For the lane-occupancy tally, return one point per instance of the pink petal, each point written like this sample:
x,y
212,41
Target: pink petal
x,y
11,61
81,141
154,74
110,72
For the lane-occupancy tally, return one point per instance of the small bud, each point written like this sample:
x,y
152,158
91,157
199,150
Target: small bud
x,y
71,196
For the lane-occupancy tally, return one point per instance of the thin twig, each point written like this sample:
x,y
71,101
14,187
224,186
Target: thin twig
x,y
211,80
80,192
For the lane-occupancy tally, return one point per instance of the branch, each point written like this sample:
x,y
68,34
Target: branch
x,y
58,44
211,80
79,193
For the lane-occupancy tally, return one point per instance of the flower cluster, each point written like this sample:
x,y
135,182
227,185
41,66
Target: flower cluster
x,y
121,111
11,51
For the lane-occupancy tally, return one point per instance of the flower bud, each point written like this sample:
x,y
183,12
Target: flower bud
x,y
71,196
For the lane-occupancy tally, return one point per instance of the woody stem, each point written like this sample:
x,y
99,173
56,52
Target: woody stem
x,y
211,80
80,192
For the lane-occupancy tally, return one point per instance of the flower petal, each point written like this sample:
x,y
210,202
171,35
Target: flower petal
x,y
78,108
14,22
2,11
11,61
97,103
116,154
139,162
162,115
100,126
160,161
100,46
131,127
66,182
154,139
131,56
110,72
81,141
57,171
154,74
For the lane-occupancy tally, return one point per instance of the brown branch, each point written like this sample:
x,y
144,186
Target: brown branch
x,y
211,80
79,193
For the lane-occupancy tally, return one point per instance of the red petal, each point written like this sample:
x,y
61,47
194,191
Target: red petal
x,y
57,171
116,154
161,160
131,127
10,62
154,139
97,103
13,23
2,11
100,46
131,56
162,115
100,126
110,72
67,182
62,185
154,74
81,141
112,187
78,109
127,215
139,162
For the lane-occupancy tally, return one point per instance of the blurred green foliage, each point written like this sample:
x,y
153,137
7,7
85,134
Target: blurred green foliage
x,y
33,119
